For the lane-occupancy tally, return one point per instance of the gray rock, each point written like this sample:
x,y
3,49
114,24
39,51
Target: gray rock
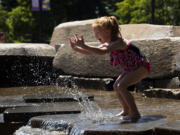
x,y
69,62
84,82
12,102
45,98
154,40
78,125
63,31
166,83
26,49
169,128
162,93
23,114
163,54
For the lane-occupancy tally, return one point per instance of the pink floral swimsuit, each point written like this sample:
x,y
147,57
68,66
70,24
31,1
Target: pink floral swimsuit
x,y
129,58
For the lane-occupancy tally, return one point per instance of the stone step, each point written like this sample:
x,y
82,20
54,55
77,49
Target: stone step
x,y
54,98
170,128
162,93
85,82
12,102
23,114
76,124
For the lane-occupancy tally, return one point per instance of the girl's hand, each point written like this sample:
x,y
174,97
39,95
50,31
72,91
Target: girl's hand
x,y
72,42
77,41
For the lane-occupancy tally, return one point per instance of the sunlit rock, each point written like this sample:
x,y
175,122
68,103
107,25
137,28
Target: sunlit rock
x,y
162,93
63,31
163,54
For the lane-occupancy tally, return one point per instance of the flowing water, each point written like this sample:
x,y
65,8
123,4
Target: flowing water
x,y
103,100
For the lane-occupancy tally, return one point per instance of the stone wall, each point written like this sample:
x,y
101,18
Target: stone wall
x,y
25,64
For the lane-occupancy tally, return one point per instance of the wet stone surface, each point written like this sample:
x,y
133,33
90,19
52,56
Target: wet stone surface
x,y
86,82
162,93
79,125
12,102
54,98
154,111
23,114
170,128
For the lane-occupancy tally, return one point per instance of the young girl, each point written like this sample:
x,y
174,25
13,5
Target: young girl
x,y
133,62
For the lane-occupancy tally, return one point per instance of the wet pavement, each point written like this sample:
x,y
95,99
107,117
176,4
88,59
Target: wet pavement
x,y
154,111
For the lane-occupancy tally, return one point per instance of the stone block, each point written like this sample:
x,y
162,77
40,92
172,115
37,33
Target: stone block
x,y
114,126
162,93
169,128
63,31
85,82
163,54
44,98
23,114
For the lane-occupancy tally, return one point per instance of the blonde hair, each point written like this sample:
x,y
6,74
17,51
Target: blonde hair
x,y
110,23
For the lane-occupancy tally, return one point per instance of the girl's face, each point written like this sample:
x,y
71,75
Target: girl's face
x,y
103,35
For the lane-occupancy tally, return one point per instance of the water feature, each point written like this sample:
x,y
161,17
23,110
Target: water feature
x,y
89,110
93,112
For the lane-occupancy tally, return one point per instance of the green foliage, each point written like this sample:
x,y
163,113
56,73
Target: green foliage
x,y
139,11
24,25
133,11
17,23
167,12
20,23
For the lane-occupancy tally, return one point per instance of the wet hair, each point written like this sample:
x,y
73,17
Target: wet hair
x,y
110,23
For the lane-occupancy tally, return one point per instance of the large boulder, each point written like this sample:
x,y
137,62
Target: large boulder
x,y
26,49
154,40
25,64
63,31
163,54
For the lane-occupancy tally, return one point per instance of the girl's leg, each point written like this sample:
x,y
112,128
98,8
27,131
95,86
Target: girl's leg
x,y
124,111
128,80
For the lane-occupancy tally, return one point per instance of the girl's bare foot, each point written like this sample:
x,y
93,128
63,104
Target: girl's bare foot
x,y
130,119
134,116
123,113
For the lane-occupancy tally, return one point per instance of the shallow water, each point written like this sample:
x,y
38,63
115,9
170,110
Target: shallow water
x,y
168,108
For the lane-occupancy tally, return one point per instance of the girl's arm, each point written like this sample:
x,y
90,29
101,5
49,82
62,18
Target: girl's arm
x,y
79,42
100,50
79,49
78,45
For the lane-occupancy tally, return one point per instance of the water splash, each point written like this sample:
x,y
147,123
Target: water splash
x,y
53,125
27,130
89,110
34,71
